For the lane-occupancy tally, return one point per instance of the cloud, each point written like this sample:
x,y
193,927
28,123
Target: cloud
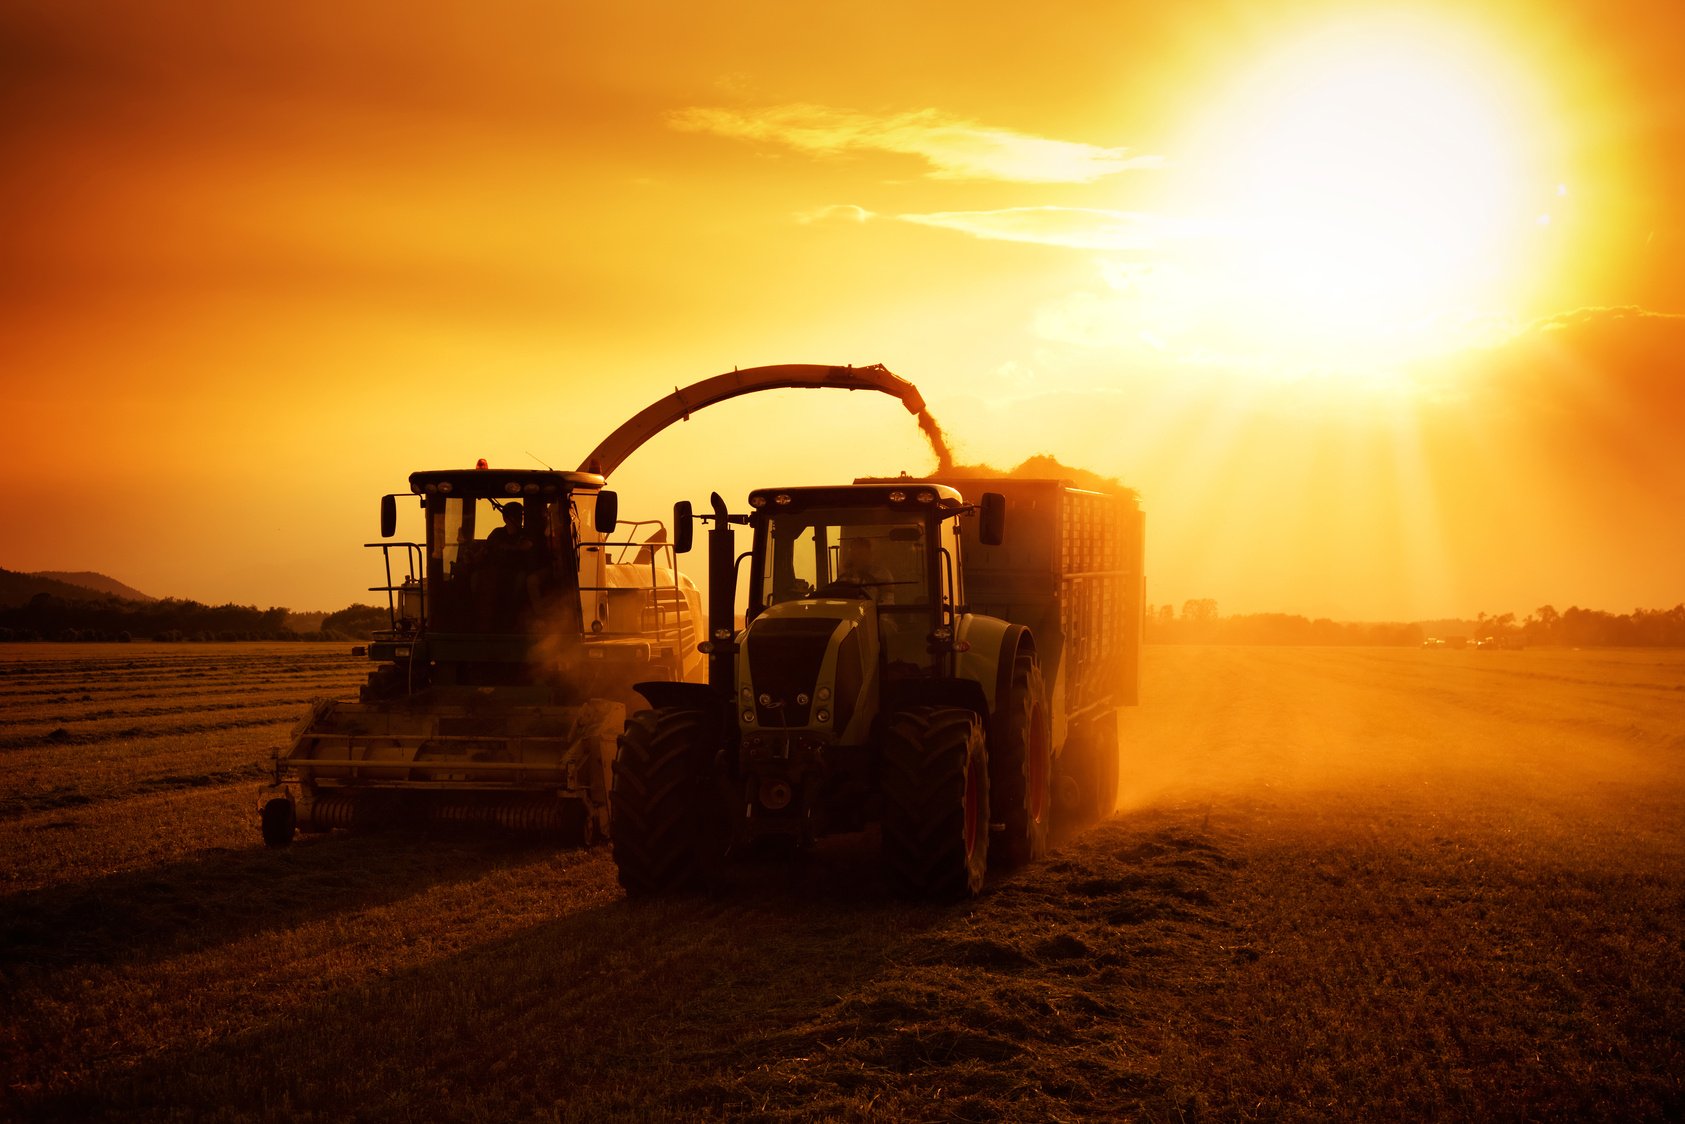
x,y
836,212
955,148
1077,228
1595,364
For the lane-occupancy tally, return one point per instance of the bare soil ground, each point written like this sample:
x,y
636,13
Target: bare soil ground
x,y
1344,883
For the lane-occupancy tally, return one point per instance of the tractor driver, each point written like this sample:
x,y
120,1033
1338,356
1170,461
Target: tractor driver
x,y
856,564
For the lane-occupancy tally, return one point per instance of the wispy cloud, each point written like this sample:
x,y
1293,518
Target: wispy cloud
x,y
1079,228
954,148
836,212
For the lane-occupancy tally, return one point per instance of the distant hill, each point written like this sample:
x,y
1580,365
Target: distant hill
x,y
99,583
17,589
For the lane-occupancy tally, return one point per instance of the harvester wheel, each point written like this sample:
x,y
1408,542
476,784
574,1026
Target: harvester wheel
x,y
279,821
669,822
936,802
1021,766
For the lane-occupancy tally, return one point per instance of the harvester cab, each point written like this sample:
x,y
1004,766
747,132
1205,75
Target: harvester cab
x,y
861,689
518,625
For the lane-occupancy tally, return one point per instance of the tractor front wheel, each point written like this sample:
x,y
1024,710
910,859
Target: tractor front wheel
x,y
936,802
669,828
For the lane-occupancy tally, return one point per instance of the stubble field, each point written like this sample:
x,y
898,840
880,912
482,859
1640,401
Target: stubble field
x,y
1343,883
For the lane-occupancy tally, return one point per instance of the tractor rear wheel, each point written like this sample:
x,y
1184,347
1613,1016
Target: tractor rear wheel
x,y
668,821
936,802
1021,766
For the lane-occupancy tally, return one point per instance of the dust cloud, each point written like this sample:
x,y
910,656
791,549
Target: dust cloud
x,y
1535,738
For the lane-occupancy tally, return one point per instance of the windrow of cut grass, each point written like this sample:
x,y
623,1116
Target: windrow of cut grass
x,y
200,723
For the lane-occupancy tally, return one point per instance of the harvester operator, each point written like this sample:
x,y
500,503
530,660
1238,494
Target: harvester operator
x,y
512,582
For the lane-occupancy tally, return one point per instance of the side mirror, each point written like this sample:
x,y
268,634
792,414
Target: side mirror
x,y
992,528
608,512
388,516
684,527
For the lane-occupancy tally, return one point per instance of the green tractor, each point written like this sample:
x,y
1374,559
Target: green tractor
x,y
863,689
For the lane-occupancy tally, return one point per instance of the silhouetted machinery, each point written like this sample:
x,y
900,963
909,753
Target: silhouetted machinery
x,y
518,626
904,662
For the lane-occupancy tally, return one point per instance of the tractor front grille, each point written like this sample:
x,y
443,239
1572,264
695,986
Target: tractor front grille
x,y
785,656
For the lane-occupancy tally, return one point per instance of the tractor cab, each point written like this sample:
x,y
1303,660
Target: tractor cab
x,y
887,546
894,547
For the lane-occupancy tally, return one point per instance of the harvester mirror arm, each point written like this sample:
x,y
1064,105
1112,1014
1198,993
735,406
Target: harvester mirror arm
x,y
679,405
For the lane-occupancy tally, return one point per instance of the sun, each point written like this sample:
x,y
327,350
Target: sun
x,y
1368,190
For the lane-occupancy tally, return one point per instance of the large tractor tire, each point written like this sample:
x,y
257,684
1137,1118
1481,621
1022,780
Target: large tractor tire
x,y
669,827
1092,764
936,802
1021,766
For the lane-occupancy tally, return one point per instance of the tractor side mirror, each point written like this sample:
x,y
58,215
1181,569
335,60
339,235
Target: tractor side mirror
x,y
388,516
608,512
992,530
684,527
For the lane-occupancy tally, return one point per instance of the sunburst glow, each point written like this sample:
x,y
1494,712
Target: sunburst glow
x,y
1370,189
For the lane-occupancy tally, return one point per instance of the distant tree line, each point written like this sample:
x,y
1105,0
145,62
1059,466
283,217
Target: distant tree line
x,y
47,617
1200,623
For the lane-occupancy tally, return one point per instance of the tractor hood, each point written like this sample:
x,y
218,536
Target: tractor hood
x,y
808,665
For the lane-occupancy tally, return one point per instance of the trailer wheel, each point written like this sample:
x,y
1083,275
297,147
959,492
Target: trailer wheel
x,y
1021,766
936,802
669,822
279,821
1094,767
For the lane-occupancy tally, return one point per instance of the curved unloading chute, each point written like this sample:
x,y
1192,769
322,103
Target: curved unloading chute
x,y
679,405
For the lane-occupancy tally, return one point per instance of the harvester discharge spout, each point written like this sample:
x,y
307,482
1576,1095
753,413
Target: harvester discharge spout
x,y
679,405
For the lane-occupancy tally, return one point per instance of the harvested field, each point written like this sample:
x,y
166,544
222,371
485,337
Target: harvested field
x,y
1345,883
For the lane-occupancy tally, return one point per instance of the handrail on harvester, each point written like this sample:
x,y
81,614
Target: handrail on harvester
x,y
679,405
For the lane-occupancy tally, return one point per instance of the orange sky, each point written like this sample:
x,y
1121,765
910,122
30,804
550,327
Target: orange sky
x,y
1382,307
